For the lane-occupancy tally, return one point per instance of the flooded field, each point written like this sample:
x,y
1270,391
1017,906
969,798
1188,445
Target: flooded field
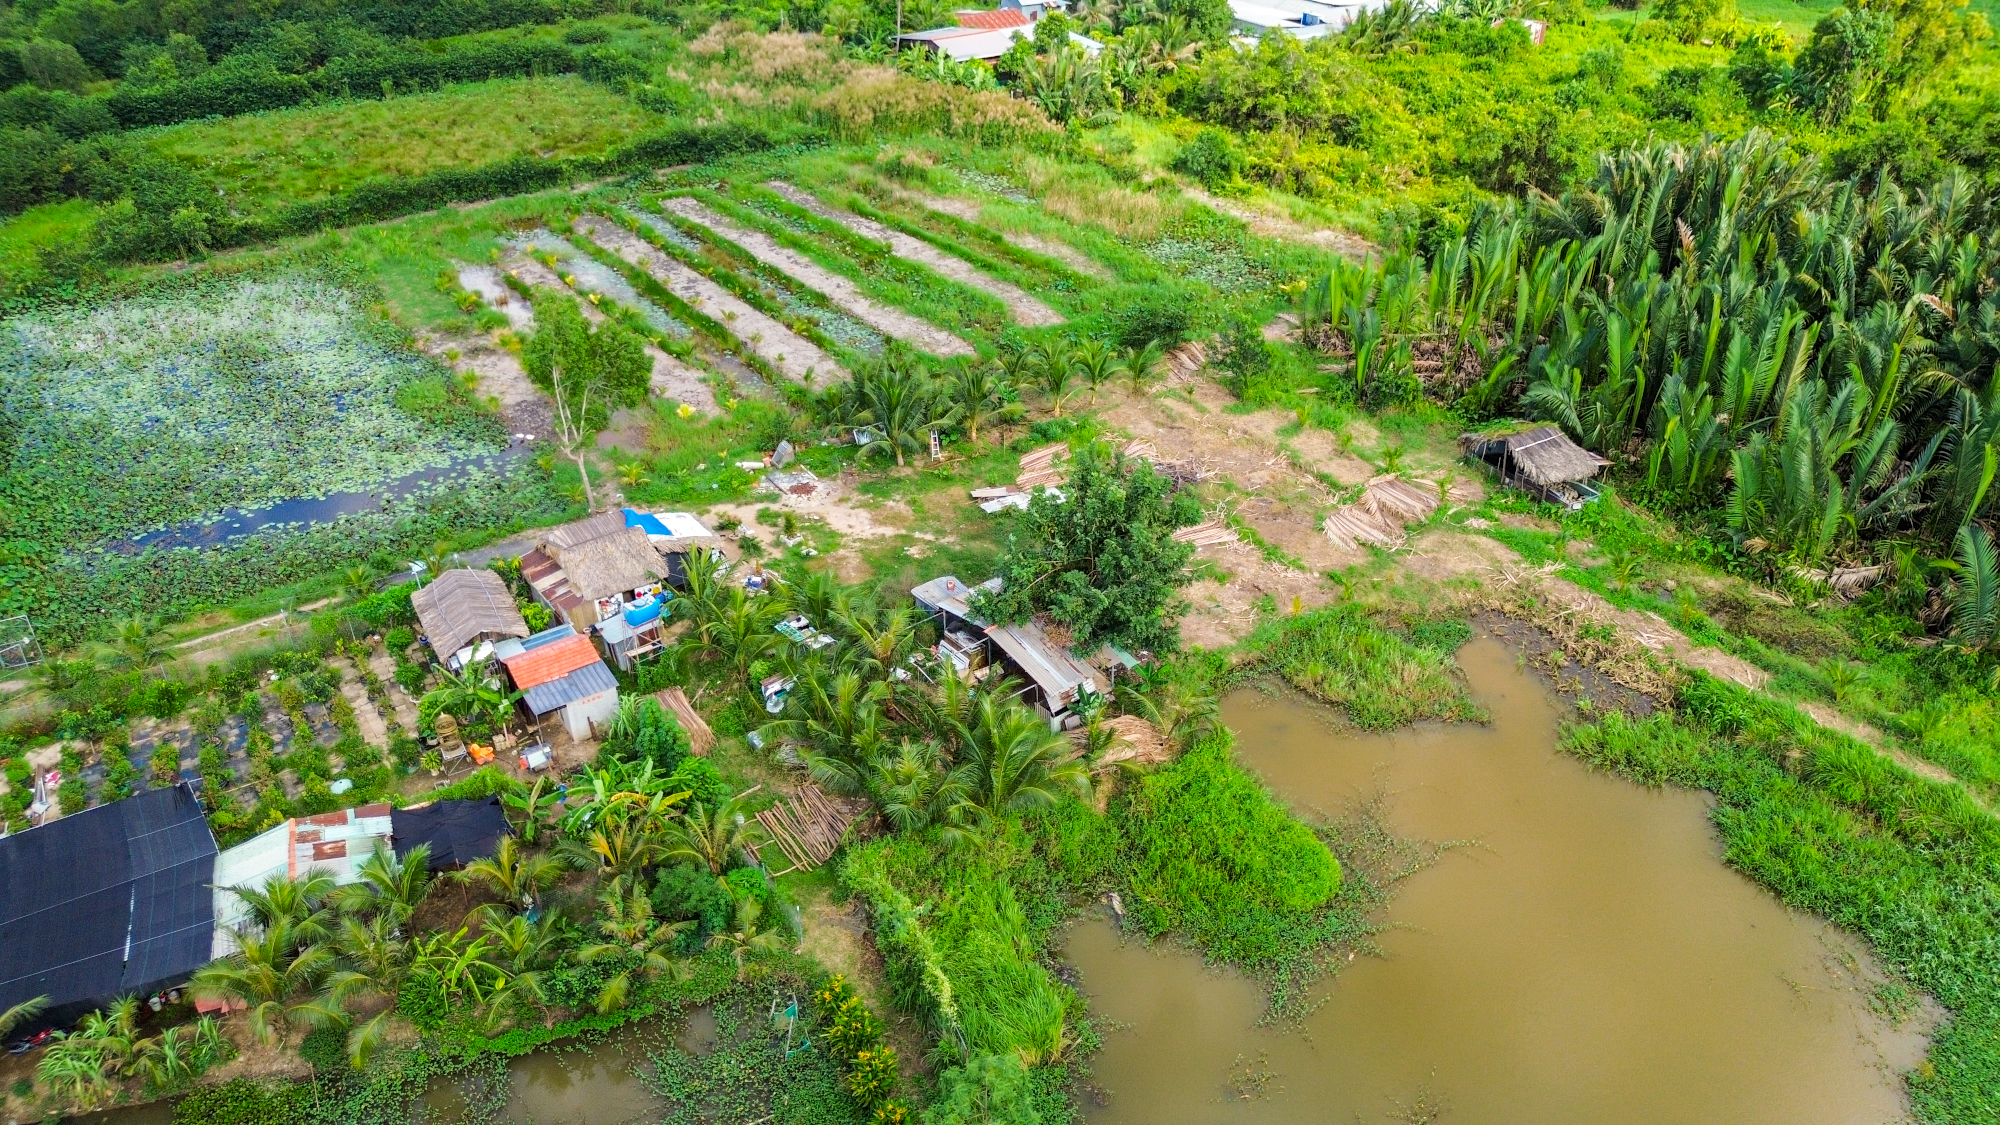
x,y
589,1084
1586,957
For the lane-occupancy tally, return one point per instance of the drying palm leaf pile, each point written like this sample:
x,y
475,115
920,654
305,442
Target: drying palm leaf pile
x,y
1387,506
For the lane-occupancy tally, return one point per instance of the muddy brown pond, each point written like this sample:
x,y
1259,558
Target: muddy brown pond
x,y
1588,958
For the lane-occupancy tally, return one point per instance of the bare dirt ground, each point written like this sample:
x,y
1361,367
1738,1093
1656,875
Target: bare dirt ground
x,y
497,375
919,334
796,357
1025,309
1269,225
969,210
384,667
373,730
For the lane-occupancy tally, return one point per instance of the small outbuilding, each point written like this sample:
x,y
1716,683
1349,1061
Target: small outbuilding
x,y
1542,461
458,832
558,671
1052,676
463,611
336,843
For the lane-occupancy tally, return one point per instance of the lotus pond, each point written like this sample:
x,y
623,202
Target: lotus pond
x,y
137,414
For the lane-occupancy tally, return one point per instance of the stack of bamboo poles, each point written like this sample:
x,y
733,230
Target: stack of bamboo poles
x,y
1210,534
700,737
808,827
1387,505
1038,467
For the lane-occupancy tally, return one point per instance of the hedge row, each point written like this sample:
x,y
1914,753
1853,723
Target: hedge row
x,y
227,91
391,196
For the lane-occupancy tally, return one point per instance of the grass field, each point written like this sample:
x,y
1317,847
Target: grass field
x,y
264,161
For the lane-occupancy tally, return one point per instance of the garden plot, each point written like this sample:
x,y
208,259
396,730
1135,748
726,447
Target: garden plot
x,y
796,357
139,414
671,379
1022,307
917,333
970,210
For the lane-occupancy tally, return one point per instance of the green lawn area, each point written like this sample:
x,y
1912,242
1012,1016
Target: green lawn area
x,y
24,235
267,160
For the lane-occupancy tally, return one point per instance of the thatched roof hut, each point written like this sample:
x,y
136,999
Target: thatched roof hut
x,y
463,606
1542,460
610,564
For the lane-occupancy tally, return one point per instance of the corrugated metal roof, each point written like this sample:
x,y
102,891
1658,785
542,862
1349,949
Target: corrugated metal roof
x,y
543,663
591,679
337,843
1051,667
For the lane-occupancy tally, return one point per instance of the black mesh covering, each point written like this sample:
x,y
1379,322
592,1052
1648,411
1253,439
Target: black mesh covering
x,y
457,831
107,901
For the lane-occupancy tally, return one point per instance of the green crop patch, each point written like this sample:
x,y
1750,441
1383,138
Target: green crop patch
x,y
265,161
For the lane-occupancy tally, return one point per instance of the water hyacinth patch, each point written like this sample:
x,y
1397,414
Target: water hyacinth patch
x,y
137,414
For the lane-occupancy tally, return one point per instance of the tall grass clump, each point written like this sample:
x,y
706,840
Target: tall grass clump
x,y
1338,655
1833,827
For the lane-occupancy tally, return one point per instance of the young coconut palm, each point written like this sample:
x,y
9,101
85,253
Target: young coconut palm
x,y
21,1013
712,836
747,935
390,885
513,875
376,962
276,973
1017,762
298,904
632,930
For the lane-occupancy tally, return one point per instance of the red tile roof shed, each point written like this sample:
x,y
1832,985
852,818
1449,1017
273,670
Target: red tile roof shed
x,y
545,663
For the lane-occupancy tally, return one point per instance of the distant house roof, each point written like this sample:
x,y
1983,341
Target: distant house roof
x,y
611,564
337,843
462,606
109,900
1003,17
1544,455
1053,669
591,679
458,832
538,665
963,44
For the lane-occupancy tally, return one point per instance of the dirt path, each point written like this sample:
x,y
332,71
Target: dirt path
x,y
796,357
384,667
919,334
374,731
1261,222
671,380
970,211
1025,309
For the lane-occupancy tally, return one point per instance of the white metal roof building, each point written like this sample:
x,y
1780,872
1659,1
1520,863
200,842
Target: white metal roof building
x,y
337,843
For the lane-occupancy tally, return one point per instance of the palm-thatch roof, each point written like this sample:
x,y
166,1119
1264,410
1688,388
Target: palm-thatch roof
x,y
465,605
610,564
1543,456
584,530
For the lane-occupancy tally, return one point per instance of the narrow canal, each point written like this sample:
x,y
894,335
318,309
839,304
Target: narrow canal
x,y
1587,957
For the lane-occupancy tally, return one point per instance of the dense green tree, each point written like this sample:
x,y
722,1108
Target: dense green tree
x,y
1101,558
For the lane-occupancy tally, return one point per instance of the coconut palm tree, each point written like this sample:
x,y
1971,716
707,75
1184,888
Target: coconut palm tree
x,y
1017,761
632,931
712,836
390,884
277,975
512,874
21,1013
1055,371
137,644
616,845
747,935
375,963
1141,367
915,787
296,902
983,393
1096,362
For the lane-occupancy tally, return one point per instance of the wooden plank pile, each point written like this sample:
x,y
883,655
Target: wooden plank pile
x,y
1038,467
700,738
1183,365
808,827
1388,504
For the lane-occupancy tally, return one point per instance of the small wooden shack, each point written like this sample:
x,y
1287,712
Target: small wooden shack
x,y
1542,461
